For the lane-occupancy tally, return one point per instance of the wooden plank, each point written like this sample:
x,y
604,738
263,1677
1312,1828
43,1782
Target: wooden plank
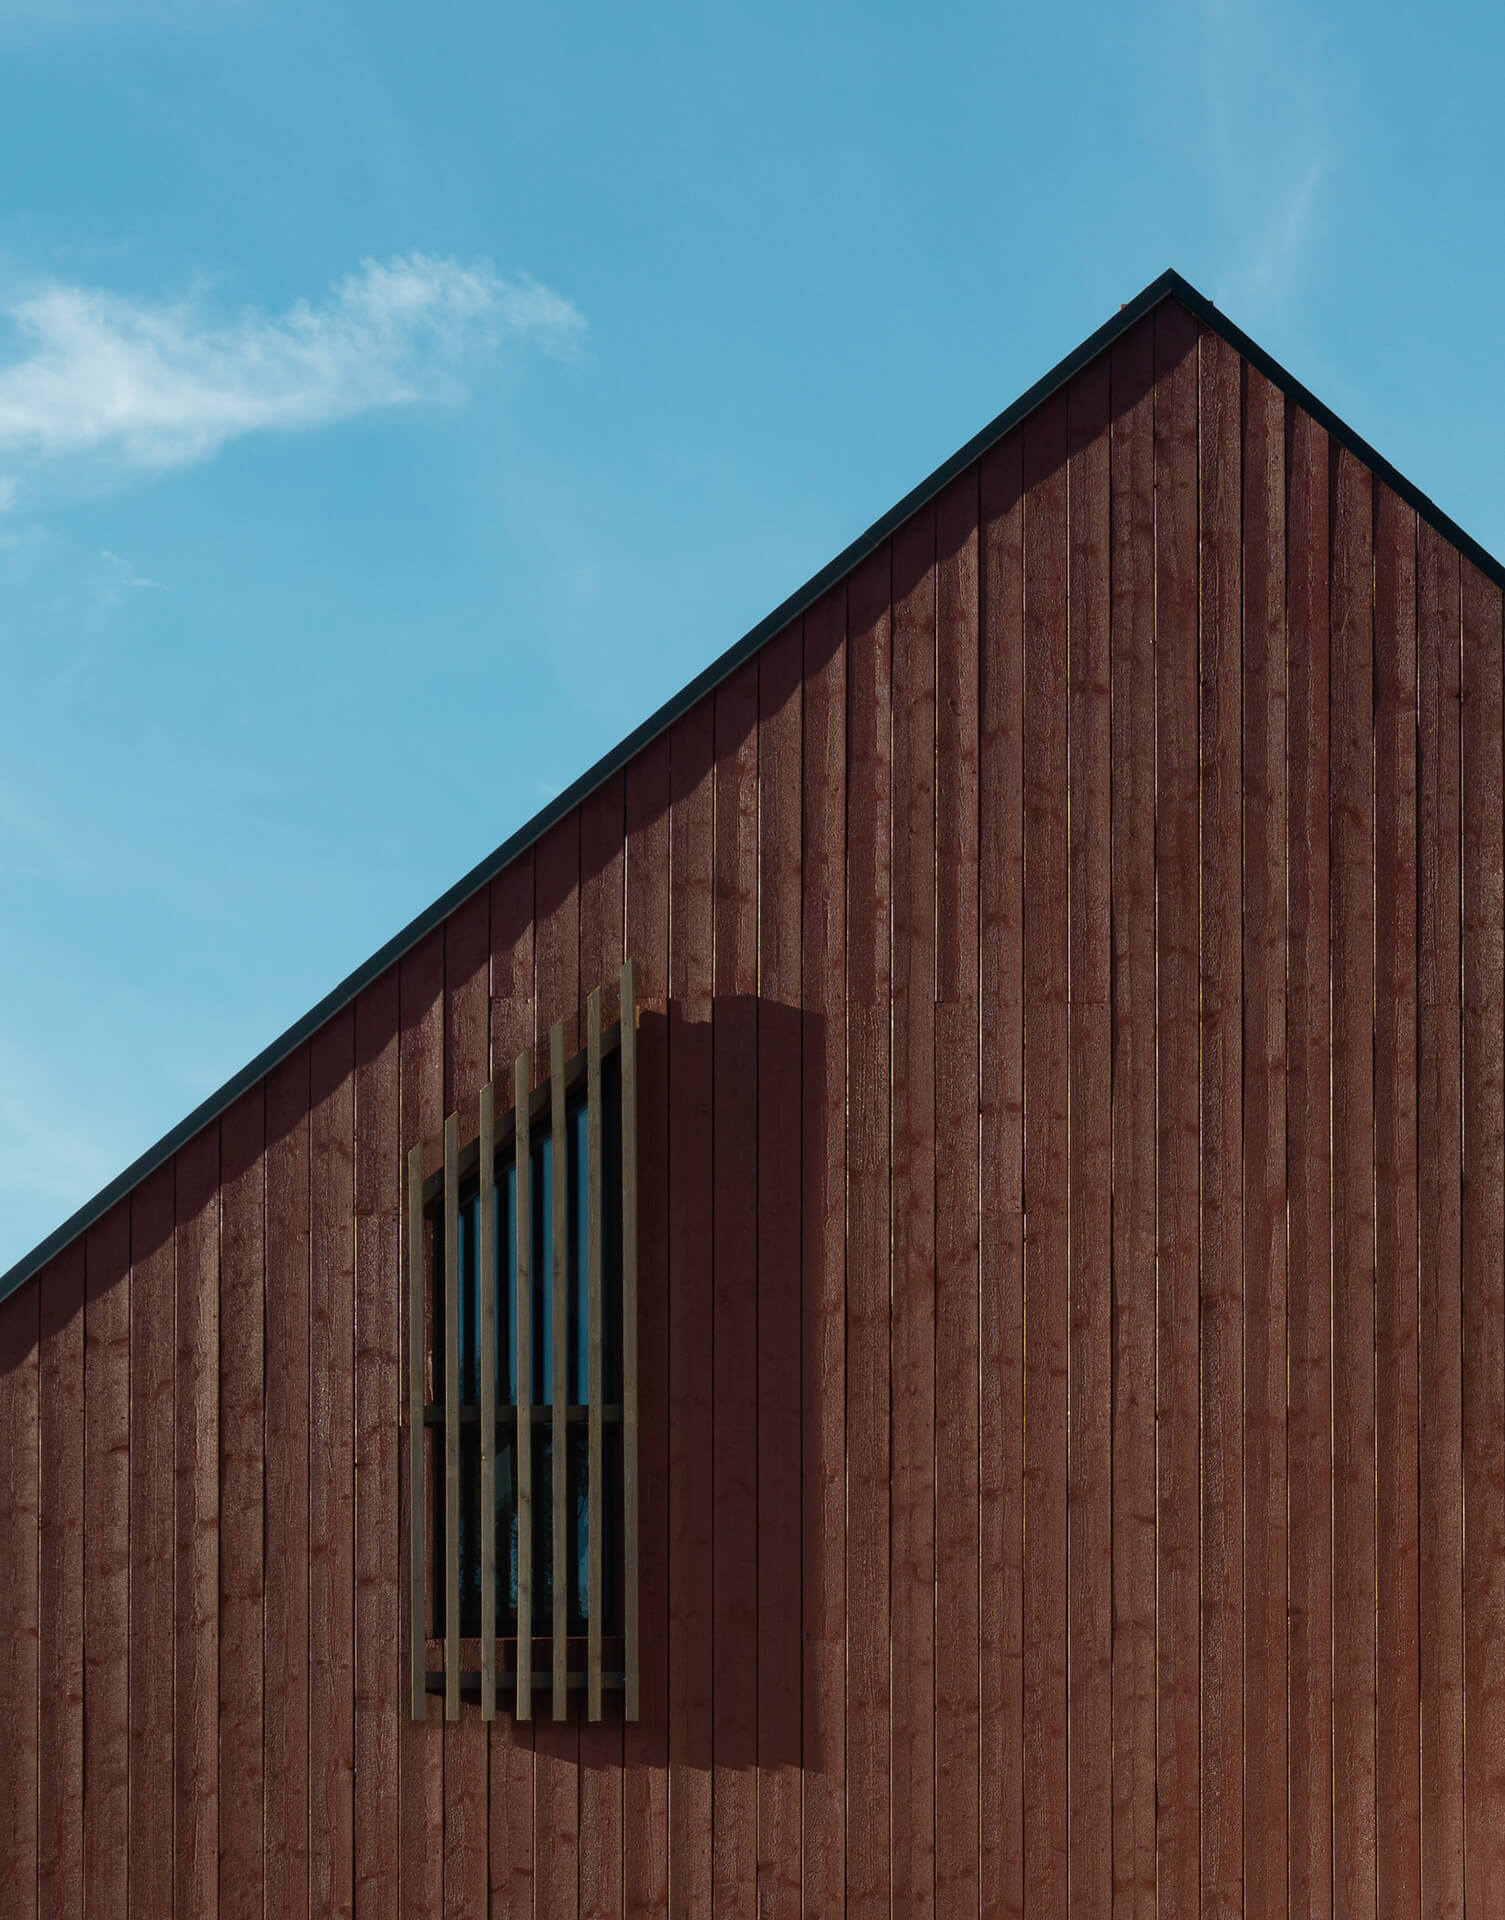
x,y
596,1463
645,1810
780,880
467,1067
451,1418
912,1219
556,1808
823,1392
1308,1164
734,1334
1132,650
19,1767
510,1828
196,1419
1001,1181
559,1394
869,890
60,1589
1483,1246
957,1496
1264,1148
1090,1360
152,1480
107,1562
1046,1272
1176,878
631,1615
1221,1228
420,1746
331,1484
1351,707
486,1270
417,1477
379,1689
522,1166
1439,1076
285,1773
1398,1733
602,862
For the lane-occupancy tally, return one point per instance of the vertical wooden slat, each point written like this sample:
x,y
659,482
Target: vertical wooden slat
x,y
596,1490
1308,1162
1047,1247
486,1280
1001,1180
107,1564
559,1399
452,1417
1439,1207
19,1771
1132,904
630,1601
1176,877
418,1623
1264,1148
1483,1248
522,1083
60,1609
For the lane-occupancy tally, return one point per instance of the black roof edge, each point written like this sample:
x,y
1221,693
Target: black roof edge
x,y
1169,285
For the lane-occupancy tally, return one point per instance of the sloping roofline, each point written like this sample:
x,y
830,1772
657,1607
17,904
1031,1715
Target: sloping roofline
x,y
1169,286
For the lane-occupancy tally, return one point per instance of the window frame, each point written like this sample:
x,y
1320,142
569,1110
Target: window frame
x,y
439,1191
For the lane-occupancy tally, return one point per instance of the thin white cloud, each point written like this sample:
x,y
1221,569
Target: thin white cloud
x,y
125,574
159,385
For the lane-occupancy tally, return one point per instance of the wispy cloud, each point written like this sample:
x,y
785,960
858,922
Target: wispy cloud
x,y
156,385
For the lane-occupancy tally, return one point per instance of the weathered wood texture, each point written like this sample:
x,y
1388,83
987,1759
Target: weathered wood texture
x,y
1088,920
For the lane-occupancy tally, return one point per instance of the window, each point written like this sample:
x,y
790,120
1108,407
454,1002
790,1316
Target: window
x,y
522,1316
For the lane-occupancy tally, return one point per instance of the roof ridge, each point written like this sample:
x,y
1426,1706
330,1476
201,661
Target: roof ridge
x,y
1169,285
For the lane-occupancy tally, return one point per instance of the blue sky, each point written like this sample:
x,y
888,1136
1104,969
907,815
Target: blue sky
x,y
398,404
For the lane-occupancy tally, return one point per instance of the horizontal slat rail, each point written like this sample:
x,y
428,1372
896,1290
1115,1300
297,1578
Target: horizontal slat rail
x,y
467,1169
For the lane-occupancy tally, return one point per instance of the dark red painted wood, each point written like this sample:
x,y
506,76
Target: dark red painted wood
x,y
420,1745
1001,1182
467,1066
1308,1163
1264,1121
957,1678
242,1369
645,1811
285,1646
556,1802
601,956
1351,699
19,1325
107,1563
777,1231
331,1475
1483,1245
869,886
912,1219
734,1339
1090,1359
60,1590
1132,654
823,1191
691,1356
1439,1082
152,1558
1046,1097
1397,1819
195,1624
510,1841
1176,951
1221,1227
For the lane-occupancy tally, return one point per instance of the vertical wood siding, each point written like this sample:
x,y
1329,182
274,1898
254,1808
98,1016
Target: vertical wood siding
x,y
1072,1132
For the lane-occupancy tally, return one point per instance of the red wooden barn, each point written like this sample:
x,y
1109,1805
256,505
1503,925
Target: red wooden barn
x,y
898,1307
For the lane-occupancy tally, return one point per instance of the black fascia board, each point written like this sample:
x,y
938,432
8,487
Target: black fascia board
x,y
1169,286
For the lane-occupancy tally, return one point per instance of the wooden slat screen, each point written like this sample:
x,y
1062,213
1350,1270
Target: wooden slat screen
x,y
437,1197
